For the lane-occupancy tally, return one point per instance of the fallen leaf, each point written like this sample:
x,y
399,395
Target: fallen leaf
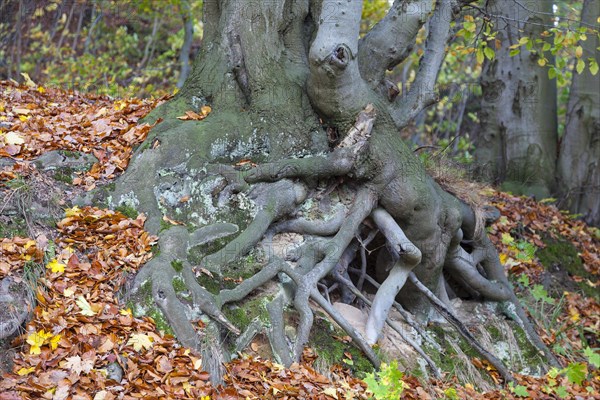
x,y
55,266
140,341
13,138
86,308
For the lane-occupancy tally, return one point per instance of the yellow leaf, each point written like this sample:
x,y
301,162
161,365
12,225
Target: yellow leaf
x,y
126,312
29,244
86,308
542,62
205,110
54,341
28,81
36,340
140,341
120,104
41,89
574,314
187,387
23,118
578,51
56,267
13,138
503,258
25,371
72,212
507,239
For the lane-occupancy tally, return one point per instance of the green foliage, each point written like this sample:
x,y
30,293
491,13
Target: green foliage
x,y
540,294
387,383
373,11
576,372
519,390
118,48
177,265
128,211
593,357
451,394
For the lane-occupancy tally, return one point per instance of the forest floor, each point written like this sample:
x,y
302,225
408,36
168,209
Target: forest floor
x,y
83,343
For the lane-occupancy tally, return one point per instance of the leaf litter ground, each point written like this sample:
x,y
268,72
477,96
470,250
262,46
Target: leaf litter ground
x,y
79,330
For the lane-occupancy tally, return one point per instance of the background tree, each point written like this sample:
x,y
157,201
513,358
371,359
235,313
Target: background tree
x,y
518,109
578,169
519,144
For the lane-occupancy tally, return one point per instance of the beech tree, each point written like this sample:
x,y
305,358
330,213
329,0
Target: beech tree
x,y
578,169
518,141
300,145
519,144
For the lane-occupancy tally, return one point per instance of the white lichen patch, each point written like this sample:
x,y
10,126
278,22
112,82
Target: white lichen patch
x,y
503,350
129,200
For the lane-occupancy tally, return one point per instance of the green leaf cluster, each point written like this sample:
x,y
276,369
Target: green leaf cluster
x,y
387,383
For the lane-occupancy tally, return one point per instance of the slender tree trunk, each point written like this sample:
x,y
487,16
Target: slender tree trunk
x,y
518,138
579,159
184,55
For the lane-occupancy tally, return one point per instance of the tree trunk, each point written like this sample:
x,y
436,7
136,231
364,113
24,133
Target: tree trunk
x,y
579,159
261,167
518,139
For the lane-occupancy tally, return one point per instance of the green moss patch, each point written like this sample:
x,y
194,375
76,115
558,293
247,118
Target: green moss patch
x,y
561,255
333,351
127,211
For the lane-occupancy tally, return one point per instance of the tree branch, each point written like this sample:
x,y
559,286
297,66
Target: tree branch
x,y
422,91
392,39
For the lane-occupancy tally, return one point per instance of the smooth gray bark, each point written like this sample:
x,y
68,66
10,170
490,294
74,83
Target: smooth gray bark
x,y
579,159
518,138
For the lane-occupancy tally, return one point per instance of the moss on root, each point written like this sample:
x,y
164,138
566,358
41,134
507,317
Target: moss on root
x,y
142,304
64,174
333,351
242,314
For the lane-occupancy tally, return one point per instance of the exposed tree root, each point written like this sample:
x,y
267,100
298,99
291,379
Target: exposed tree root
x,y
446,238
399,330
405,314
461,328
